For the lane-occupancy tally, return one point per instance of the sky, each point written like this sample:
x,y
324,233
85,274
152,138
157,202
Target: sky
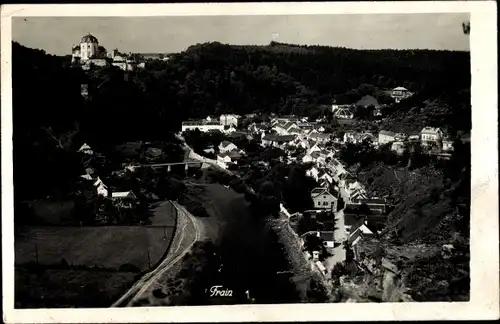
x,y
57,35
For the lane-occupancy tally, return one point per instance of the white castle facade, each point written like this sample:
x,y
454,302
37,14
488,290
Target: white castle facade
x,y
89,53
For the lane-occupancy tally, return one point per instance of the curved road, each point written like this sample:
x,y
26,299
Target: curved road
x,y
141,286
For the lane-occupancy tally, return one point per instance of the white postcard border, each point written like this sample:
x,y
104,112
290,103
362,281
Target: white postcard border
x,y
484,302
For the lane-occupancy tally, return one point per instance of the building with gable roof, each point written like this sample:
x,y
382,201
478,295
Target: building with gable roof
x,y
431,136
226,146
324,199
400,93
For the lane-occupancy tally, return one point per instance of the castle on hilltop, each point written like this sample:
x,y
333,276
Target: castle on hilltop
x,y
89,53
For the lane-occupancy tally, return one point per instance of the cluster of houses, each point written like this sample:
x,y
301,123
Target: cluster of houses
x,y
432,139
229,154
347,111
122,199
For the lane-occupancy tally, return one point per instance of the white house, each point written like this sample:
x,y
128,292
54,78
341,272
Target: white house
x,y
400,93
385,137
209,150
320,137
351,189
85,149
223,160
227,158
338,170
203,126
323,199
226,146
398,147
431,135
123,195
278,140
86,176
313,173
350,137
326,177
102,189
229,120
447,145
314,148
286,127
311,157
342,111
328,238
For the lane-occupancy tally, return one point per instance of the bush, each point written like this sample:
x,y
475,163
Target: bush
x,y
158,293
127,267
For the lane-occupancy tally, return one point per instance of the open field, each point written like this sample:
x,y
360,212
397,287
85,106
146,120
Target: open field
x,y
108,247
82,288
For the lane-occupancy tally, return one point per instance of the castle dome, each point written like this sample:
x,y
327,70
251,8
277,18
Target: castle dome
x,y
89,39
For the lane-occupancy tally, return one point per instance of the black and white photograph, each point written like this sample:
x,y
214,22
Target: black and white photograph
x,y
165,161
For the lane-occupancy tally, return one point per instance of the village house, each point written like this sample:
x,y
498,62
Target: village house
x,y
342,111
279,141
313,172
227,158
226,146
325,178
305,127
209,150
287,118
126,199
414,138
431,136
314,148
360,226
229,120
349,137
323,199
351,189
401,137
398,147
320,137
385,137
447,145
85,149
327,237
286,128
338,170
102,189
301,142
86,176
375,205
311,157
400,93
202,125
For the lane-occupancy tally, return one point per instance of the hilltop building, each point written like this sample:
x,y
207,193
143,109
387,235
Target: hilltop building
x,y
89,53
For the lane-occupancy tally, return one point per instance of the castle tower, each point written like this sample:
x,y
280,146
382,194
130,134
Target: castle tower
x,y
89,47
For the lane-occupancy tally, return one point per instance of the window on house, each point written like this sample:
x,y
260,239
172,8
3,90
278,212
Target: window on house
x,y
319,203
325,203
